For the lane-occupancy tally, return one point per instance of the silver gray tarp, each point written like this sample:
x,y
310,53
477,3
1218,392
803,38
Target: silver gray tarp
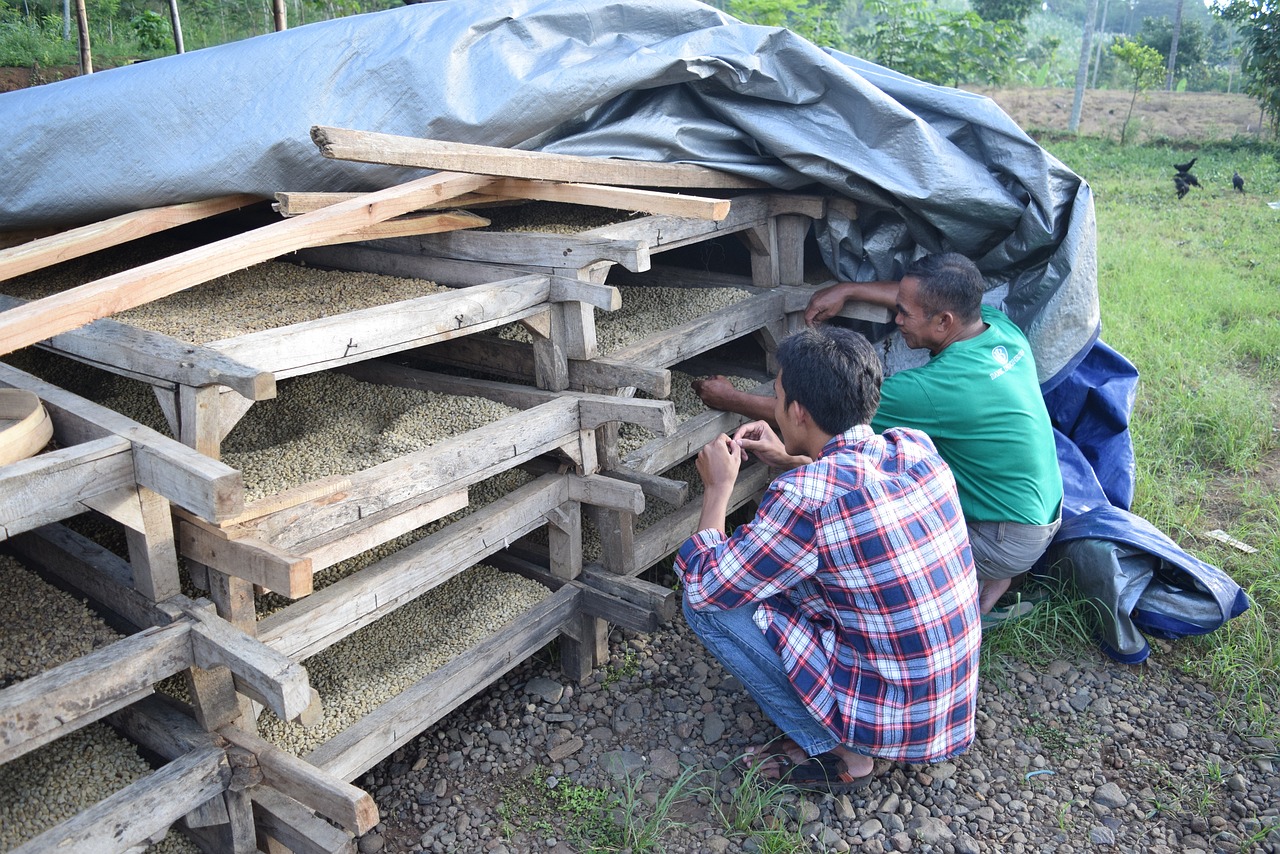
x,y
930,168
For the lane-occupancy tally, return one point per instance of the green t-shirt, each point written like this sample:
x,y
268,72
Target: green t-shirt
x,y
980,401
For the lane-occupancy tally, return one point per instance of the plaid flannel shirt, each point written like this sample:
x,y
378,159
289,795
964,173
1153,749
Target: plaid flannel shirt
x,y
859,564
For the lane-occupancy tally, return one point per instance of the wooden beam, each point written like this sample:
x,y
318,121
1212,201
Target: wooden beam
x,y
307,784
367,147
75,242
53,486
294,826
137,812
61,312
619,198
413,225
65,698
296,204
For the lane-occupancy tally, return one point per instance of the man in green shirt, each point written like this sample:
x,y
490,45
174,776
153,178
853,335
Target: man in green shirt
x,y
978,398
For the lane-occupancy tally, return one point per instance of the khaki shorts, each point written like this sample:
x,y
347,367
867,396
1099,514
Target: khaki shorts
x,y
1008,549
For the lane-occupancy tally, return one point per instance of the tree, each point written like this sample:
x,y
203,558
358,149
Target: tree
x,y
1144,63
1193,46
1082,69
948,48
815,20
1005,10
1259,23
1173,46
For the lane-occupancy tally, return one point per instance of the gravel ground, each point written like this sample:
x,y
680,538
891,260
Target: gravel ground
x,y
1077,754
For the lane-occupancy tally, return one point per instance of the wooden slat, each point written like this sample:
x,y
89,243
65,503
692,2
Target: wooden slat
x,y
599,490
51,487
670,346
620,198
260,672
527,251
328,615
612,372
327,342
401,718
164,726
413,225
58,701
206,487
296,827
367,147
296,204
43,318
305,782
75,242
662,453
137,812
673,492
248,558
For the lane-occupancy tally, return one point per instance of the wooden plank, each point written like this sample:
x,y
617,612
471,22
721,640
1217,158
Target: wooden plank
x,y
525,250
251,559
294,204
415,478
75,242
140,810
366,147
164,726
673,492
330,548
359,335
602,296
619,198
662,453
603,491
612,372
663,233
328,615
637,609
40,319
412,225
71,695
385,259
52,486
401,718
89,568
153,357
261,672
674,345
205,487
309,784
153,554
294,826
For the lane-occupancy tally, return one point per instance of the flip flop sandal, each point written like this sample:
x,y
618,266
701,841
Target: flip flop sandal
x,y
779,746
822,773
999,616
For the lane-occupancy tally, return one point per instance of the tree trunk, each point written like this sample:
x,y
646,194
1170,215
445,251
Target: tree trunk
x,y
1097,60
177,26
82,22
66,20
1082,70
1173,47
281,16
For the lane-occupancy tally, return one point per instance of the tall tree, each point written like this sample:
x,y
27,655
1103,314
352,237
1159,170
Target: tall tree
x,y
1173,47
1082,70
1144,63
1259,23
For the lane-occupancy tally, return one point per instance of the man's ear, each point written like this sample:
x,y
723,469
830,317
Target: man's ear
x,y
945,320
799,414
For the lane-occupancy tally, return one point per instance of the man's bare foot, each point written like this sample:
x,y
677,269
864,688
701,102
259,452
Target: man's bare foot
x,y
989,592
715,391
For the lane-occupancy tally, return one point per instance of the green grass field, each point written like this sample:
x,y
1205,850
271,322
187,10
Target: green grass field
x,y
1190,293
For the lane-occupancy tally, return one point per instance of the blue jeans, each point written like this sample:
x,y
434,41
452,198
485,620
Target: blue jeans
x,y
737,643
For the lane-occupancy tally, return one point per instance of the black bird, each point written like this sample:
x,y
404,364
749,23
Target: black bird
x,y
1187,178
1186,167
1180,185
1237,181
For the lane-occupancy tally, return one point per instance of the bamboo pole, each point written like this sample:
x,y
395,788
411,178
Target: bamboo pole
x,y
82,21
281,15
177,25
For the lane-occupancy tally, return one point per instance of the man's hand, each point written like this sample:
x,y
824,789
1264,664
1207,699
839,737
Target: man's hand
x,y
718,463
826,303
758,438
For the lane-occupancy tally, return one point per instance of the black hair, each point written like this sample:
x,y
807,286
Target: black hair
x,y
948,282
833,373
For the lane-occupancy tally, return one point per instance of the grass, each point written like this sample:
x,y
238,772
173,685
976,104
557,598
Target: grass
x,y
1188,293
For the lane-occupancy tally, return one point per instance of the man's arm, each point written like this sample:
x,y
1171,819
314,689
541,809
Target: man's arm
x,y
827,302
718,393
718,464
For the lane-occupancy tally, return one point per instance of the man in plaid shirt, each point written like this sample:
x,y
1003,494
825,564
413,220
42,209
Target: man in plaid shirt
x,y
848,607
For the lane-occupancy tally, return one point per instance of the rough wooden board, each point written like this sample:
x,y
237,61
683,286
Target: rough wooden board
x,y
137,812
62,312
75,242
620,198
51,487
367,147
296,827
296,204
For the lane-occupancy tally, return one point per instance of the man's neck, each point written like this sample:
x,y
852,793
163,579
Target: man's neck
x,y
973,330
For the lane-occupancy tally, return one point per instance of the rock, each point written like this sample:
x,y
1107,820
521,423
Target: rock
x,y
900,842
869,828
622,764
1176,731
548,690
1109,795
930,830
565,749
712,728
371,843
1102,836
665,764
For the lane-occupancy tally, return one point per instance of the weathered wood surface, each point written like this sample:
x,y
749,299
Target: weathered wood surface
x,y
71,695
205,487
412,225
665,489
294,826
62,312
525,250
52,486
75,242
328,615
326,793
395,722
296,204
367,147
139,811
346,338
663,232
247,557
663,452
164,726
669,346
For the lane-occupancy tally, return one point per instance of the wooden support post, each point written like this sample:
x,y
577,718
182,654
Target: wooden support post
x,y
148,530
617,539
564,536
550,363
762,241
200,419
233,597
791,232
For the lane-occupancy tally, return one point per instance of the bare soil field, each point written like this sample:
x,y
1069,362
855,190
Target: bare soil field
x,y
1190,116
